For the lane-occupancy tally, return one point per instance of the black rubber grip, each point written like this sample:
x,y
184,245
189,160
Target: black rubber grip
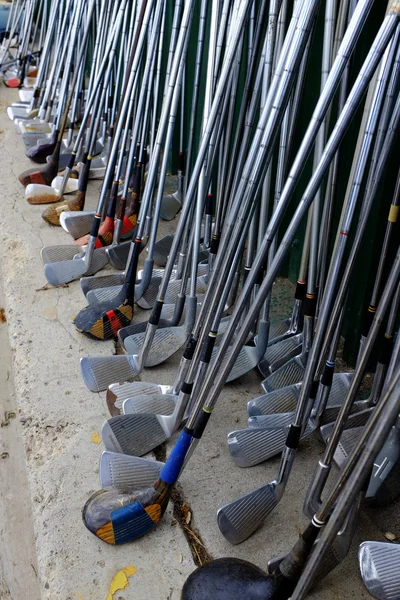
x,y
293,437
190,348
209,204
214,244
368,320
327,375
310,304
386,350
71,161
208,348
201,423
311,533
187,388
95,226
181,161
314,389
156,313
300,290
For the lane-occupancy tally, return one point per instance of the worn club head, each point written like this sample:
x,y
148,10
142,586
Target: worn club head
x,y
278,354
70,188
136,434
249,447
43,175
120,517
102,321
227,578
65,271
162,249
282,400
99,372
77,224
247,360
118,255
157,403
355,420
101,281
290,373
41,194
124,472
40,152
380,569
170,206
117,393
384,485
167,314
239,519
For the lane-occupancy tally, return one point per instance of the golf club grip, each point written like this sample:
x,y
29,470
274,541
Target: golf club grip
x,y
292,566
214,244
95,226
190,348
201,423
154,318
172,468
84,178
327,375
208,347
181,162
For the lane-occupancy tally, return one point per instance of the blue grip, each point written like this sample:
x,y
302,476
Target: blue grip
x,y
173,466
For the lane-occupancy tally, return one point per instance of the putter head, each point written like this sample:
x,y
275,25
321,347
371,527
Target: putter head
x,y
290,373
380,569
278,354
117,393
77,224
239,519
157,403
127,472
99,372
279,401
135,434
249,447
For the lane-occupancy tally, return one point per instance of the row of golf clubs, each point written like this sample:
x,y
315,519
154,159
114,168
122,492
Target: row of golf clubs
x,y
22,41
214,290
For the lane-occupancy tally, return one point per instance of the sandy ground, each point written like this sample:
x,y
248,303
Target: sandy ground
x,y
52,468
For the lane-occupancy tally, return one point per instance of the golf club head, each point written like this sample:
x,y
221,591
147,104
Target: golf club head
x,y
290,373
249,447
170,206
103,320
118,255
77,224
121,471
247,360
117,393
162,249
57,253
166,342
239,519
278,354
384,485
157,403
41,194
167,314
355,420
149,297
228,578
58,273
380,569
70,188
134,434
99,372
282,400
101,281
279,330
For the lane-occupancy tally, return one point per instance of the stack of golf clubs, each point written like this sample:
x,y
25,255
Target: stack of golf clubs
x,y
110,95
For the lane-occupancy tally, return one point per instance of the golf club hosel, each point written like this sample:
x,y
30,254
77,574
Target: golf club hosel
x,y
288,458
313,499
379,379
146,277
147,342
180,376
